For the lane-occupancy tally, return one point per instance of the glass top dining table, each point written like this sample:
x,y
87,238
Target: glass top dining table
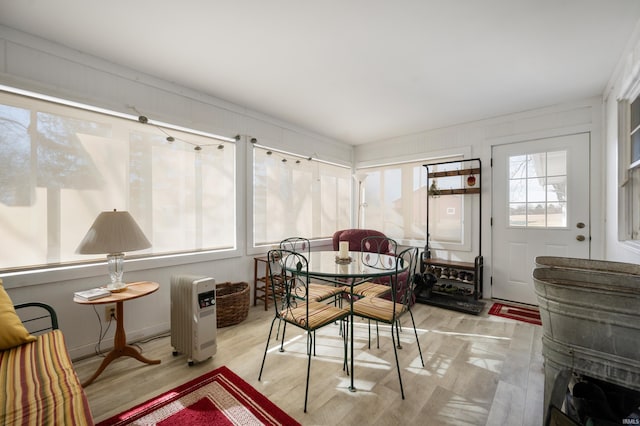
x,y
363,266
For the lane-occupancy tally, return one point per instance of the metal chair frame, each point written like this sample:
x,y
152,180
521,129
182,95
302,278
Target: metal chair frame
x,y
32,318
297,312
409,255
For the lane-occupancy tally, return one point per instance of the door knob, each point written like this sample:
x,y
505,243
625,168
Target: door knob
x,y
579,225
580,238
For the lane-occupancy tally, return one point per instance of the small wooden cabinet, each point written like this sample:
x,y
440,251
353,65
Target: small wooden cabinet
x,y
453,284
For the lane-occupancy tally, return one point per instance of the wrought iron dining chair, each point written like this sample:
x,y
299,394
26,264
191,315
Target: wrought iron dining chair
x,y
306,314
391,311
372,249
315,291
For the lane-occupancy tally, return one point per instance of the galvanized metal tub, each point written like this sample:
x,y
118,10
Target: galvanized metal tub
x,y
587,264
590,313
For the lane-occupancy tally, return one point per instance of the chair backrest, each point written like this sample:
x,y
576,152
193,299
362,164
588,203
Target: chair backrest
x,y
289,271
37,317
297,244
372,248
379,244
403,285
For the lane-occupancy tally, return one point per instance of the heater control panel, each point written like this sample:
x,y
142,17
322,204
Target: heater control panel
x,y
206,299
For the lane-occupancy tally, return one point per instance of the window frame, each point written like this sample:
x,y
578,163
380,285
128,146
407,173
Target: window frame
x,y
77,269
628,172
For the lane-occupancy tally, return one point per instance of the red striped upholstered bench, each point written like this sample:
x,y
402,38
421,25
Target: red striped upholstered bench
x,y
38,385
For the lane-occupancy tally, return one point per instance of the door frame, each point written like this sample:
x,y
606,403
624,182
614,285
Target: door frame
x,y
596,196
578,171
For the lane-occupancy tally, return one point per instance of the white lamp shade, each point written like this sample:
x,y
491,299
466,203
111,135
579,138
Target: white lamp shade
x,y
113,232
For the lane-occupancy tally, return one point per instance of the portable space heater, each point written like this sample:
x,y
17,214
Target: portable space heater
x,y
193,317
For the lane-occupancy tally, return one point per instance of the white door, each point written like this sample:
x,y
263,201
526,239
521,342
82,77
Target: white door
x,y
540,208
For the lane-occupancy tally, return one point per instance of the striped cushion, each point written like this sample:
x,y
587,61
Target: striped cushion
x,y
369,289
320,314
318,292
377,308
38,385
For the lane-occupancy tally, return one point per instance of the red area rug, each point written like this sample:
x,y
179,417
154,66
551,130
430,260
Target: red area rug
x,y
516,312
219,397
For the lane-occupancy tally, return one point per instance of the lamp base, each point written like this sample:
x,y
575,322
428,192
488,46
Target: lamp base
x,y
116,287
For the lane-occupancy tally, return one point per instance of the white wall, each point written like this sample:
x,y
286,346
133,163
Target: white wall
x,y
628,69
37,65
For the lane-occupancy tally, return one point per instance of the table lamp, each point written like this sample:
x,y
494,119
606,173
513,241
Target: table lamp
x,y
114,233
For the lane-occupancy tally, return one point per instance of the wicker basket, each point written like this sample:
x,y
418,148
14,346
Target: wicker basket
x,y
232,303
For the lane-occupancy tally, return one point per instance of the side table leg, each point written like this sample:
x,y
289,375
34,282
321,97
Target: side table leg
x,y
120,347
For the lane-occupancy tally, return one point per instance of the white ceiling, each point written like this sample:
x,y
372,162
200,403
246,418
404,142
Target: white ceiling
x,y
354,70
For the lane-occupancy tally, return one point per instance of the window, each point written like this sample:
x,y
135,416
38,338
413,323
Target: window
x,y
538,190
634,169
629,162
61,166
394,201
295,196
447,213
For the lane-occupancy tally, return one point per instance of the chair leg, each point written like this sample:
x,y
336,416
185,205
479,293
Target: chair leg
x,y
284,330
311,343
278,330
344,323
264,357
416,333
398,328
395,352
377,336
306,392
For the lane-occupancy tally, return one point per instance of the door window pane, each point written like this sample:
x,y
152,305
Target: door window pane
x,y
517,167
536,165
557,188
557,215
517,214
536,215
538,190
518,190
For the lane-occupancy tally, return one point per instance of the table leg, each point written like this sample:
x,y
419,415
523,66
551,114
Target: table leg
x,y
352,388
120,347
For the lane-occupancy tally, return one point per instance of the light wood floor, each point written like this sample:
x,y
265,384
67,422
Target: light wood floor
x,y
479,370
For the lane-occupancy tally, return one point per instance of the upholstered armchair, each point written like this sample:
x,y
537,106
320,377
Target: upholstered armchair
x,y
354,236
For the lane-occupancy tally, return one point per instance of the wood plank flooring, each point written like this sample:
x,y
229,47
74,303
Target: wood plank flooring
x,y
479,370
